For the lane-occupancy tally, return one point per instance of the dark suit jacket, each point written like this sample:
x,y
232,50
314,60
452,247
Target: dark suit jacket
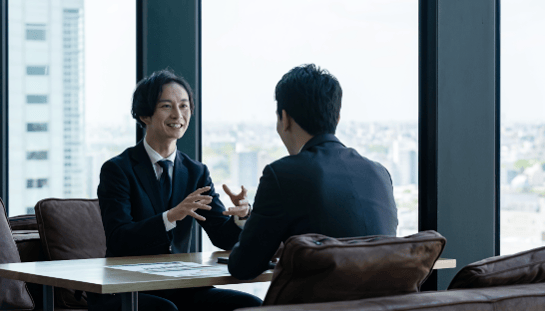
x,y
132,208
327,189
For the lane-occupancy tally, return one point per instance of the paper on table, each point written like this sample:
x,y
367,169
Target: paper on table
x,y
175,269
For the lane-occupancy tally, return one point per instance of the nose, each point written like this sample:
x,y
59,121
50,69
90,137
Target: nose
x,y
176,112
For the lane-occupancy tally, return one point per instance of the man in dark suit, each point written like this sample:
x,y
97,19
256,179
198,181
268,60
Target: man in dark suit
x,y
151,194
322,187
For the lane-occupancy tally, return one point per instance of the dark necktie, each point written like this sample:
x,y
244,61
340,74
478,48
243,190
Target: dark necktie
x,y
165,181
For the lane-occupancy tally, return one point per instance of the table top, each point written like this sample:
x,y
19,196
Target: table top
x,y
93,274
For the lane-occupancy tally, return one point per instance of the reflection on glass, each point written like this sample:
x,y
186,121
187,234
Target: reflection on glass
x,y
522,125
370,46
58,62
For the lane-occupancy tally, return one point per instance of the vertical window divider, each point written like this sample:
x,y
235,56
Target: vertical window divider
x,y
428,123
497,127
4,103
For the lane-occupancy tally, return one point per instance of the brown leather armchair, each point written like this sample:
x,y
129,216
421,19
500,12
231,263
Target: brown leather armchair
x,y
62,229
511,282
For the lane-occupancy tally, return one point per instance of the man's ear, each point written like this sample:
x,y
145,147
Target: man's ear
x,y
286,121
338,118
145,119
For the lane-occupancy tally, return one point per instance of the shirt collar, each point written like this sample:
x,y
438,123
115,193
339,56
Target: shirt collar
x,y
155,156
299,151
319,139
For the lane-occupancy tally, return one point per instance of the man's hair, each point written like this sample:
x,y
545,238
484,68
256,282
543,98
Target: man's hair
x,y
149,89
312,96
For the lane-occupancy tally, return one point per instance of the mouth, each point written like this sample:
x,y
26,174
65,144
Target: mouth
x,y
174,125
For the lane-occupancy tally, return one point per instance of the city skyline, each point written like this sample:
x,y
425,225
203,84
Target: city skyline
x,y
50,80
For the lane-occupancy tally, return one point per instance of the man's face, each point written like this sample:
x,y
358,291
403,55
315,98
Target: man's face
x,y
171,116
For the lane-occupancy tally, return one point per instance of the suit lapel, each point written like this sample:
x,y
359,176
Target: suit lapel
x,y
145,173
180,178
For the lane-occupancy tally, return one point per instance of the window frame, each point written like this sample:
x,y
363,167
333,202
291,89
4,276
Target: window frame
x,y
154,31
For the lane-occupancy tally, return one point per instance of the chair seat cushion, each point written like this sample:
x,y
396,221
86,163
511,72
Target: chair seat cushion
x,y
521,268
317,268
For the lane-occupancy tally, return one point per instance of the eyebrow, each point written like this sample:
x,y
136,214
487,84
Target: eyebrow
x,y
167,100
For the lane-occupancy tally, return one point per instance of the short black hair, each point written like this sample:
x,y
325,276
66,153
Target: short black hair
x,y
312,96
149,89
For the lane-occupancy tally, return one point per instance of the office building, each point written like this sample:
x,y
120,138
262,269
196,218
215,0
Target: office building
x,y
46,101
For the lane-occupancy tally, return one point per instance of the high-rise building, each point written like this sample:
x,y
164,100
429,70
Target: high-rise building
x,y
248,169
46,101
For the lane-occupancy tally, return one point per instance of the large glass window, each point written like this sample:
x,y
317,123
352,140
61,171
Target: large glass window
x,y
371,46
522,125
71,77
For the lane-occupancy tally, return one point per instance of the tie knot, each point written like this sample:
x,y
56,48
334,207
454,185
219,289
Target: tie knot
x,y
165,164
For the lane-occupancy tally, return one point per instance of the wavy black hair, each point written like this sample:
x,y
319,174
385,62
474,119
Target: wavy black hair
x,y
312,96
149,89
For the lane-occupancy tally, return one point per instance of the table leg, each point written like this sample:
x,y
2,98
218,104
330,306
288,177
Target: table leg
x,y
129,301
48,298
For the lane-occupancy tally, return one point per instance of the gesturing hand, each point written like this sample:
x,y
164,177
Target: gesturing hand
x,y
236,199
239,200
190,204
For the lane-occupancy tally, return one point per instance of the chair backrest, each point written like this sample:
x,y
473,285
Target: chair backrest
x,y
526,267
14,294
318,268
70,229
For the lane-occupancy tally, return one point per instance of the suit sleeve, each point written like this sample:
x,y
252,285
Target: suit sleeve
x,y
124,236
221,229
263,232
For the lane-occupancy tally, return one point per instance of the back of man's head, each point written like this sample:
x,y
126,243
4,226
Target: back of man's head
x,y
312,97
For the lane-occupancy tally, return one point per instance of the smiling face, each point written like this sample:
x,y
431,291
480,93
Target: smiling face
x,y
170,119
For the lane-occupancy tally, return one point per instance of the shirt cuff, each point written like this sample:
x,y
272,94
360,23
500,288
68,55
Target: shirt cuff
x,y
240,221
168,225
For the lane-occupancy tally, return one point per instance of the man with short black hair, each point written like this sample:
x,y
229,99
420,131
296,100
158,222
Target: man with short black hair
x,y
152,194
322,187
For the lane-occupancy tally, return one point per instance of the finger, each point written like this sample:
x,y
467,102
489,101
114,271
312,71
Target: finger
x,y
236,211
227,190
200,190
193,198
197,216
203,201
206,199
195,206
201,206
241,194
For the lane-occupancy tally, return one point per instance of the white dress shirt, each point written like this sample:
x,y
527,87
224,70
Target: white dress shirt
x,y
155,157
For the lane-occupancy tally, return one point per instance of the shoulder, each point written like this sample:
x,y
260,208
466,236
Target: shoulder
x,y
121,159
292,169
190,164
287,163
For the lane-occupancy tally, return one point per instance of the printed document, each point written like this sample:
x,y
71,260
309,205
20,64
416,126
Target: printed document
x,y
175,269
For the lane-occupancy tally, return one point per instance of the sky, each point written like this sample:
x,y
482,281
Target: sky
x,y
110,60
370,46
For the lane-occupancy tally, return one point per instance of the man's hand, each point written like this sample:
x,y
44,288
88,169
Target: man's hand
x,y
190,204
240,202
236,199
